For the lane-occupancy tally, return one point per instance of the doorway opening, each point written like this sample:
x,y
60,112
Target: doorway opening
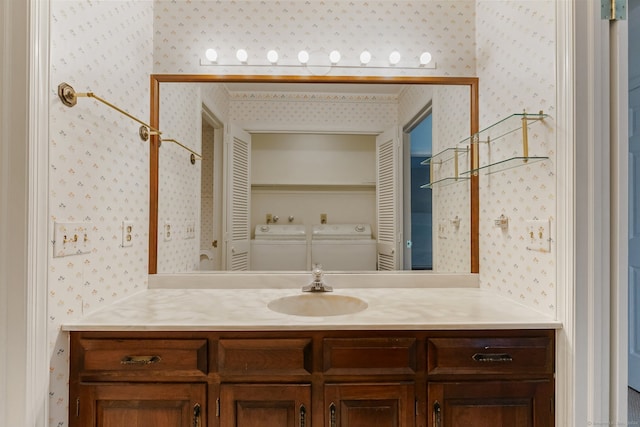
x,y
418,201
211,192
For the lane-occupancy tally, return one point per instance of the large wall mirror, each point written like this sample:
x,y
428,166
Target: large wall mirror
x,y
278,173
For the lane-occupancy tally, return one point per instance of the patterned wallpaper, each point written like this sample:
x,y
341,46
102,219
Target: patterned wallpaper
x,y
314,113
516,67
99,167
185,29
179,180
452,209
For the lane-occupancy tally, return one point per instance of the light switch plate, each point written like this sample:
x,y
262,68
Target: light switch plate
x,y
71,238
190,229
538,235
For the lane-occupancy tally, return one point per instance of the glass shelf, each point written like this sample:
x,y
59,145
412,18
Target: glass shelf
x,y
503,165
506,126
445,181
444,155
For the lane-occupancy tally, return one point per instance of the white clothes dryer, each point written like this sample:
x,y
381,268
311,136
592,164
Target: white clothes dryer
x,y
279,247
343,247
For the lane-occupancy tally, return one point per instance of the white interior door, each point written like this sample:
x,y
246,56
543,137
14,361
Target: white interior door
x,y
387,199
237,197
634,238
634,194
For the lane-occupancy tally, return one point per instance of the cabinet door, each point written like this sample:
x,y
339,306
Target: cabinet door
x,y
491,404
272,405
370,405
140,405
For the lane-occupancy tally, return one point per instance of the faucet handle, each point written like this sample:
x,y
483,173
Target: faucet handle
x,y
317,272
317,285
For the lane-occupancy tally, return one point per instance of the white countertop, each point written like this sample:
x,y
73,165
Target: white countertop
x,y
224,309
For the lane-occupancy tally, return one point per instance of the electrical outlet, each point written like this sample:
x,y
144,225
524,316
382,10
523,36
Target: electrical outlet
x,y
127,234
538,236
323,218
269,218
167,233
71,238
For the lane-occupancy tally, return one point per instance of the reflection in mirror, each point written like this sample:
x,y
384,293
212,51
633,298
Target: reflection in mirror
x,y
294,174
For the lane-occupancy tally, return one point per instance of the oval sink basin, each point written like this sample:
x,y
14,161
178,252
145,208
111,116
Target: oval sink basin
x,y
317,304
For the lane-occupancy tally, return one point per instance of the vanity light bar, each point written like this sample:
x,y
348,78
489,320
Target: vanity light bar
x,y
211,58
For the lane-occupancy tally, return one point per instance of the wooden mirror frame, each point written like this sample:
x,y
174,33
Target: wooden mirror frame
x,y
156,79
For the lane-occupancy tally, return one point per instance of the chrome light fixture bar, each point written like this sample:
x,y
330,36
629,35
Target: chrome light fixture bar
x,y
334,60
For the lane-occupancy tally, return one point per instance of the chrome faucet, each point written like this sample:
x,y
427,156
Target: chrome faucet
x,y
317,285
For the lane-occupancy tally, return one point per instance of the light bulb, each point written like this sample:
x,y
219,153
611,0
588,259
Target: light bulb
x,y
242,55
365,57
425,58
394,57
211,55
303,56
272,56
334,57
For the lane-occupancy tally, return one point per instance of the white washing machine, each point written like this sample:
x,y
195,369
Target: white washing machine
x,y
279,247
343,247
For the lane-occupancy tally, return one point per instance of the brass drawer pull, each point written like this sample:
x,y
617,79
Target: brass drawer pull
x,y
332,415
140,360
437,414
196,415
492,357
303,416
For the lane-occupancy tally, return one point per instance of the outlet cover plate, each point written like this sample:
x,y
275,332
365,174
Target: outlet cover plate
x,y
127,234
167,232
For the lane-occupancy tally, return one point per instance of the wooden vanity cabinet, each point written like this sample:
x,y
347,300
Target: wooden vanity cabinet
x,y
312,379
119,379
140,405
494,380
278,405
491,404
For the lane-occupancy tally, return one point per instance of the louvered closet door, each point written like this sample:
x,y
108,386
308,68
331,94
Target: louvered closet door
x,y
237,221
387,156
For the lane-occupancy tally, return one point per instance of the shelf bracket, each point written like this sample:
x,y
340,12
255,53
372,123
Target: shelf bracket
x,y
525,137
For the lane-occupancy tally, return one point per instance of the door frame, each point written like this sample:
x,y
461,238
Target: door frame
x,y
592,347
24,84
619,136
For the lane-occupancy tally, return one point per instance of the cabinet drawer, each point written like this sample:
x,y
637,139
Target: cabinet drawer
x,y
369,356
264,356
490,356
183,356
